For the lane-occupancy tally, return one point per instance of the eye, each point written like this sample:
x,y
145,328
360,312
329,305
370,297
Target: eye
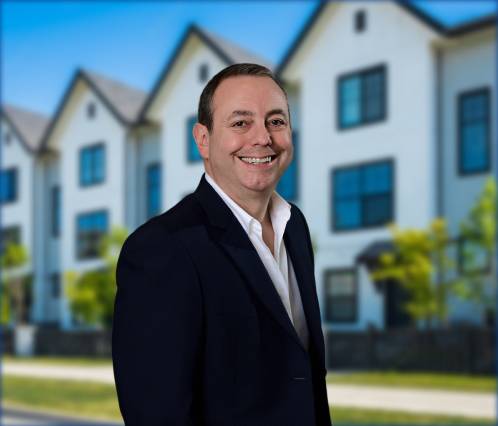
x,y
240,123
277,122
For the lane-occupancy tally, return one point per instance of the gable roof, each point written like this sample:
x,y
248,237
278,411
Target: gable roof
x,y
227,51
123,101
28,125
454,31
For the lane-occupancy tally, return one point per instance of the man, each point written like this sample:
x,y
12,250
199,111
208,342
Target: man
x,y
216,318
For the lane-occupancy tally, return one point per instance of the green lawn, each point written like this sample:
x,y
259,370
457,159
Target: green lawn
x,y
54,360
343,416
99,401
454,382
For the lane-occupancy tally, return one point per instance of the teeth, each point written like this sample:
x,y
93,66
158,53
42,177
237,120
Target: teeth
x,y
253,160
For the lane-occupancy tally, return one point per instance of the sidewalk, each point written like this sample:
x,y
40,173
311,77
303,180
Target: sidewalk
x,y
463,404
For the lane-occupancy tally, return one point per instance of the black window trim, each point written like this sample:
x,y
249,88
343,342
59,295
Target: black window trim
x,y
85,213
362,72
460,96
331,271
92,146
334,170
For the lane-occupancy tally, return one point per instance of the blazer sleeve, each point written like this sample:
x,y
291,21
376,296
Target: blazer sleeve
x,y
156,337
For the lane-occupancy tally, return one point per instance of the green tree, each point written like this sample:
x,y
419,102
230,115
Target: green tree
x,y
16,284
413,265
478,233
91,294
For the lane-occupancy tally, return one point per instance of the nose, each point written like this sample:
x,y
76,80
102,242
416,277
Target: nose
x,y
262,136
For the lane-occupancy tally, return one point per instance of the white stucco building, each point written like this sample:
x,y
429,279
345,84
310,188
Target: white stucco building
x,y
392,120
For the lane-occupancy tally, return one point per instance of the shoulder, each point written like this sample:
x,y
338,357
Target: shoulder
x,y
161,236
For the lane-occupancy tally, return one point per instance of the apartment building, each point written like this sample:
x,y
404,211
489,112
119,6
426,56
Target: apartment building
x,y
392,122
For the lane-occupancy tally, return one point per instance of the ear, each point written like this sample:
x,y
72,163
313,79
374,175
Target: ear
x,y
201,136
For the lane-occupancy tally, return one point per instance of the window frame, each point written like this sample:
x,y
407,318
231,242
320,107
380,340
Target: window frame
x,y
360,165
14,170
55,214
459,129
78,255
15,228
354,317
91,148
362,73
148,213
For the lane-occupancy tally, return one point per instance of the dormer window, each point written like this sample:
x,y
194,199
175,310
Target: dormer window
x,y
91,110
203,73
360,21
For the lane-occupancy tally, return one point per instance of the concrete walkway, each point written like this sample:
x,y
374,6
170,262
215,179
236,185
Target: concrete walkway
x,y
462,404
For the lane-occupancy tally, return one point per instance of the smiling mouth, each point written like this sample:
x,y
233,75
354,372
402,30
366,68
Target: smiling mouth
x,y
258,160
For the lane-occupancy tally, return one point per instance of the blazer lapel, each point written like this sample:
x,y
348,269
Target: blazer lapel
x,y
238,247
295,242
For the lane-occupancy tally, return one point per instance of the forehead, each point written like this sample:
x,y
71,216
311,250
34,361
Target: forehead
x,y
251,93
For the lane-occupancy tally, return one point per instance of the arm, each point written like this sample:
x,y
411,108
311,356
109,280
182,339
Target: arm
x,y
157,333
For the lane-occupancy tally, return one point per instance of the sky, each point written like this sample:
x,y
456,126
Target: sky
x,y
42,44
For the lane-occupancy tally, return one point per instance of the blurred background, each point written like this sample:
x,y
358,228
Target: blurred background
x,y
393,111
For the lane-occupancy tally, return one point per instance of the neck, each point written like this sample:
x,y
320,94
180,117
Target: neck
x,y
253,202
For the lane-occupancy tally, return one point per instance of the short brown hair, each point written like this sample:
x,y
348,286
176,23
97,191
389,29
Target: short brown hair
x,y
205,110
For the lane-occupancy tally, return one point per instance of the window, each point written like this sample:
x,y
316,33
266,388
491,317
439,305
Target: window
x,y
55,202
8,185
287,186
10,235
55,284
359,21
153,190
90,228
92,164
473,132
193,154
340,295
91,110
203,73
362,97
362,195
473,258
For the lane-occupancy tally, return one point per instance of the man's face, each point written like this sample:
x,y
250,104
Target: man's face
x,y
250,144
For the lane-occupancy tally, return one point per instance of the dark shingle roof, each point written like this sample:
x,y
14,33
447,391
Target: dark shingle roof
x,y
29,125
125,100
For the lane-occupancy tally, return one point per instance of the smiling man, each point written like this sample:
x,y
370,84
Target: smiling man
x,y
216,317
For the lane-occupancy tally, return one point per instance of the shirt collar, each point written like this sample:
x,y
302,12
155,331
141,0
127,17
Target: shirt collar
x,y
279,211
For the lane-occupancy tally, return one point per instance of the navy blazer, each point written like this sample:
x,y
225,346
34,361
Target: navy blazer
x,y
200,335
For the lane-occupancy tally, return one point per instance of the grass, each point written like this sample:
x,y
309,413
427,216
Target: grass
x,y
54,360
343,416
99,401
90,399
454,382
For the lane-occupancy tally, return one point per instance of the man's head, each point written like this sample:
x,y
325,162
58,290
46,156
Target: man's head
x,y
244,119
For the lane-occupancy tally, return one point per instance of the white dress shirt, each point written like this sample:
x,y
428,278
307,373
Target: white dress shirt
x,y
278,266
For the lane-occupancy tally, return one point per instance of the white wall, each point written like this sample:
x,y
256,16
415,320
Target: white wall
x,y
400,42
74,132
178,101
20,212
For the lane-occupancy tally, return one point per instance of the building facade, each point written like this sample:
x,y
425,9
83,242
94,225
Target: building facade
x,y
392,122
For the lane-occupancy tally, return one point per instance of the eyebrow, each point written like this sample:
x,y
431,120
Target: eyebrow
x,y
246,113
